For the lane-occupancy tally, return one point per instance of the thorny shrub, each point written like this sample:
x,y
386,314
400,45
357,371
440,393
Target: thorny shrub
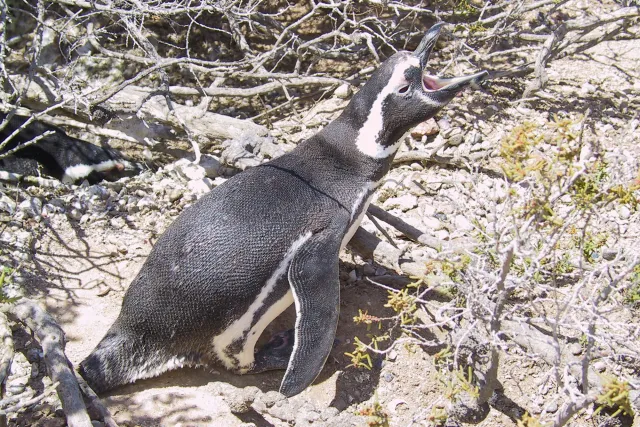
x,y
552,270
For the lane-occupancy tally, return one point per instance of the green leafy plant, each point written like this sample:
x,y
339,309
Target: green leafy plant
x,y
615,395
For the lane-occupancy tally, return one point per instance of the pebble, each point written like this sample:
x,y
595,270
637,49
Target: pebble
x,y
474,137
588,88
600,366
404,202
432,223
175,194
343,91
551,408
455,140
388,376
442,234
7,204
200,186
624,212
462,224
353,277
369,270
426,128
609,254
189,171
575,349
31,207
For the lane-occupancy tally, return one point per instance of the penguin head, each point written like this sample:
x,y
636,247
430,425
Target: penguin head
x,y
399,95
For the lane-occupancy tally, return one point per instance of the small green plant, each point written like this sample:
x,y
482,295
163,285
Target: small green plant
x,y
5,277
632,292
529,421
360,357
615,395
404,304
376,416
438,416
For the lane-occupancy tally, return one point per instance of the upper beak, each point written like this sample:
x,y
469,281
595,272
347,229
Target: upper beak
x,y
426,45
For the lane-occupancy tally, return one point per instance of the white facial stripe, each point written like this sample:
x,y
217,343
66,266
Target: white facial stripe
x,y
240,326
367,141
73,173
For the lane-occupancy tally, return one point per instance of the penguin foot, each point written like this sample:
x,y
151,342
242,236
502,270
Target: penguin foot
x,y
275,354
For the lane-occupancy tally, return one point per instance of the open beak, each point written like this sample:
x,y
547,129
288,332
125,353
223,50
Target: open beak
x,y
434,83
426,45
453,84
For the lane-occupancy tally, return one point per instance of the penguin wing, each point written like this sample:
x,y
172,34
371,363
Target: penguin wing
x,y
315,284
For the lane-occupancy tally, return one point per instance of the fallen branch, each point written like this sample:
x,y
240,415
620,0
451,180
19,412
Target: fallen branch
x,y
26,403
428,157
51,338
5,359
95,402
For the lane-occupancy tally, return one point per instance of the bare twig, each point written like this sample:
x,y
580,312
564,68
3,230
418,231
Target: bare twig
x,y
51,338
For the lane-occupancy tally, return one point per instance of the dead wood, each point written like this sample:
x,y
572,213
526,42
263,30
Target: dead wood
x,y
51,338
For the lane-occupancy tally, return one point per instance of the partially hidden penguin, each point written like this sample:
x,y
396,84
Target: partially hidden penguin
x,y
36,152
267,238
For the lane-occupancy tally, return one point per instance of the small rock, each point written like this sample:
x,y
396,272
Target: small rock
x,y
575,349
200,186
455,140
175,194
147,202
449,132
432,223
31,207
404,202
474,137
588,88
211,165
189,171
442,234
624,212
369,270
380,271
463,224
551,408
353,277
426,128
392,355
343,91
444,123
7,204
117,222
388,377
609,254
600,366
98,191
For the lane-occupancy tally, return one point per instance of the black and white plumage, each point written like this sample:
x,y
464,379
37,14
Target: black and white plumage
x,y
58,155
266,238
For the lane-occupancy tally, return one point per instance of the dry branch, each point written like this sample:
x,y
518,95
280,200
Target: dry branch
x,y
51,338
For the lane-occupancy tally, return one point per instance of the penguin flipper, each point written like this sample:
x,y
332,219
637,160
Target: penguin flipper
x,y
314,280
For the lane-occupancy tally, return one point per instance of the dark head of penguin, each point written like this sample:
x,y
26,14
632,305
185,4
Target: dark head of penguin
x,y
406,93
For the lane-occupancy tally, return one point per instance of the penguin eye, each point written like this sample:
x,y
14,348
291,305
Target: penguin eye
x,y
403,89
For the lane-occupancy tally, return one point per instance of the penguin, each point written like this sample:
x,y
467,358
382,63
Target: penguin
x,y
265,239
58,155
